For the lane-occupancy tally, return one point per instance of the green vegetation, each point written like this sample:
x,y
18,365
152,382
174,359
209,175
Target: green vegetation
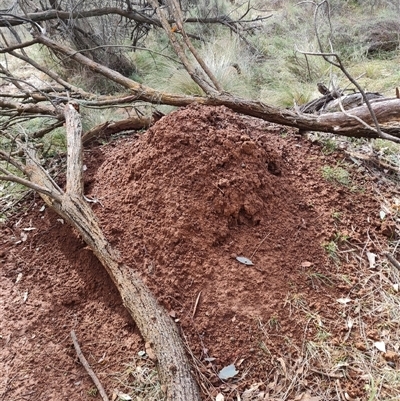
x,y
332,247
318,279
273,323
337,175
329,145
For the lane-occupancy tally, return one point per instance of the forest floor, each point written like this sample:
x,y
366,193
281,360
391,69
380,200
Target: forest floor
x,y
180,202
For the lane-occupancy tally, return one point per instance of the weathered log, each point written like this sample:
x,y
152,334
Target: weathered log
x,y
333,101
112,127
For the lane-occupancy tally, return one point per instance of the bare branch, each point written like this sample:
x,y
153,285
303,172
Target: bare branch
x,y
74,156
12,20
196,74
387,112
112,127
41,133
12,79
392,260
29,184
142,92
134,15
52,75
22,108
18,46
9,159
339,64
361,121
177,12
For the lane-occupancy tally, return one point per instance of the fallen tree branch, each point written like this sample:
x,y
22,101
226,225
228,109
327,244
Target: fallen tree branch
x,y
28,108
156,327
338,63
87,367
7,19
379,132
387,111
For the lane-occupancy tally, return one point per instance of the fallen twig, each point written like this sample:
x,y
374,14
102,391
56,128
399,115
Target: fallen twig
x,y
86,365
258,246
196,304
392,260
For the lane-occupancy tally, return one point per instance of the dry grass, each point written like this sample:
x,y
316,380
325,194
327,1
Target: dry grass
x,y
139,380
352,366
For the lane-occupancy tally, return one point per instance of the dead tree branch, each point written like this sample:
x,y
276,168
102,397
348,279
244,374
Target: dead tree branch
x,y
177,12
155,325
7,19
197,74
113,127
338,63
386,111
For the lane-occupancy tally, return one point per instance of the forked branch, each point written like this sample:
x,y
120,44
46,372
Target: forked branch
x,y
327,56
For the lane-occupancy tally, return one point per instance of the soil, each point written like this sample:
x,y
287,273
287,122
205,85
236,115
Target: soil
x,y
180,202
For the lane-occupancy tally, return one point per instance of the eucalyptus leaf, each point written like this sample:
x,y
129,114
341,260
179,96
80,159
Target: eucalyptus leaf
x,y
227,372
244,260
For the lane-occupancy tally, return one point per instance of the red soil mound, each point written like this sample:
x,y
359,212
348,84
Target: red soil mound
x,y
199,188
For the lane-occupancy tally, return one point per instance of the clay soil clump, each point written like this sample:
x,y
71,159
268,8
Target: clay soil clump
x,y
180,202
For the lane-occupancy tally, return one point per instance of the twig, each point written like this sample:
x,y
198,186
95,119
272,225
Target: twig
x,y
198,75
361,121
258,246
195,305
86,365
199,368
392,260
29,184
330,375
339,387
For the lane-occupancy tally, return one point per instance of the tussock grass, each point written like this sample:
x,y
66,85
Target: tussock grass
x,y
226,58
336,174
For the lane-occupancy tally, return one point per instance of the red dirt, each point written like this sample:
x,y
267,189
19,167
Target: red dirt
x,y
180,202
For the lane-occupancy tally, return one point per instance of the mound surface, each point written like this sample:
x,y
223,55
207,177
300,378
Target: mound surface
x,y
181,202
